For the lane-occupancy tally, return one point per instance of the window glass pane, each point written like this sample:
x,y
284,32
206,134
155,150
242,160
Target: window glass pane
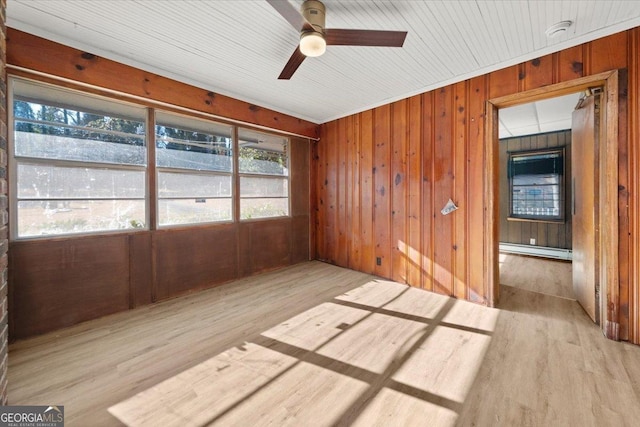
x,y
263,207
43,93
51,131
80,161
536,185
187,143
182,185
536,195
191,211
262,153
263,187
51,182
47,217
192,198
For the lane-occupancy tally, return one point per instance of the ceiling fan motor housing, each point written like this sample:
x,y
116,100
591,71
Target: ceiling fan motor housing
x,y
314,12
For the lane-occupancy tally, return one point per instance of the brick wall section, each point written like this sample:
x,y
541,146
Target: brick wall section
x,y
4,350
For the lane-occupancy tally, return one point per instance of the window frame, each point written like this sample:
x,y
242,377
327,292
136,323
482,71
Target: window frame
x,y
95,101
15,160
241,175
561,217
185,171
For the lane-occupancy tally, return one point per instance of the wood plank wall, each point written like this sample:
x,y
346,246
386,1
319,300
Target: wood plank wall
x,y
548,234
59,282
383,176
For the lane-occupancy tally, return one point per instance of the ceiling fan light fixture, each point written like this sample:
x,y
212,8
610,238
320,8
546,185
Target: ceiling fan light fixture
x,y
312,43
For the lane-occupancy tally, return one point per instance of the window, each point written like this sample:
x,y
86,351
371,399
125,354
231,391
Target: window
x,y
195,164
536,184
79,164
264,174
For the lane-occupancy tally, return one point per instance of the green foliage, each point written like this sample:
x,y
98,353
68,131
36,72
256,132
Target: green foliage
x,y
134,223
255,160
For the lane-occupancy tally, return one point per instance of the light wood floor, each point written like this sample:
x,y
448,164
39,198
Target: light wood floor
x,y
546,276
316,345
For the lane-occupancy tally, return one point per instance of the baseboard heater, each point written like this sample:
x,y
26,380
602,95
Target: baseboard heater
x,y
539,251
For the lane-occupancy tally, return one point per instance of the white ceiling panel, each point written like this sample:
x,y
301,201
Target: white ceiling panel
x,y
238,48
548,115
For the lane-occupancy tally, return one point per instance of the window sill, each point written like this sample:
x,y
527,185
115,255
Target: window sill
x,y
539,220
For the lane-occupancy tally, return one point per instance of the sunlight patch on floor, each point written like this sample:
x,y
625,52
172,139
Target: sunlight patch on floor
x,y
383,351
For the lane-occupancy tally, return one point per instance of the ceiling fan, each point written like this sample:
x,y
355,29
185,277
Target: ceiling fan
x,y
314,37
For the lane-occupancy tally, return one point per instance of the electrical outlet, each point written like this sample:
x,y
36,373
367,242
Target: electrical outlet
x,y
378,261
532,241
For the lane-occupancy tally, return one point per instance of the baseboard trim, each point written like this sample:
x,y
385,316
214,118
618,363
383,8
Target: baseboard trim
x,y
539,251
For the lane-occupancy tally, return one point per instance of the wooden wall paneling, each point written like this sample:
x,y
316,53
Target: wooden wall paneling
x,y
623,203
570,64
314,209
634,185
382,185
504,82
140,265
331,191
45,56
367,191
268,246
460,191
438,122
190,259
299,152
443,165
491,274
321,182
399,191
478,93
114,272
58,283
608,53
428,190
538,72
608,200
354,209
414,184
343,191
300,199
300,237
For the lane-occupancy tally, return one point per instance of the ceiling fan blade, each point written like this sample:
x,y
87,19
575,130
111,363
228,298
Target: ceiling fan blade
x,y
291,14
344,37
293,64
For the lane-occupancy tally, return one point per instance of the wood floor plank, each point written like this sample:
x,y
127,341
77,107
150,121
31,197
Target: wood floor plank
x,y
316,344
546,276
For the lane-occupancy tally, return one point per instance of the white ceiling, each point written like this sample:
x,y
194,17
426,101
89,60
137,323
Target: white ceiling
x,y
238,48
548,115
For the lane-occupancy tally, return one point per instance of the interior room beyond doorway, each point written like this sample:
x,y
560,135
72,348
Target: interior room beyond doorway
x,y
535,205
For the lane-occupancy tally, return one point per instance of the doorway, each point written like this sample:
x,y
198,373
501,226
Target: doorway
x,y
607,184
548,197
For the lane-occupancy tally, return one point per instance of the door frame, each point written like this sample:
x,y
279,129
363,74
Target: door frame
x,y
608,201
